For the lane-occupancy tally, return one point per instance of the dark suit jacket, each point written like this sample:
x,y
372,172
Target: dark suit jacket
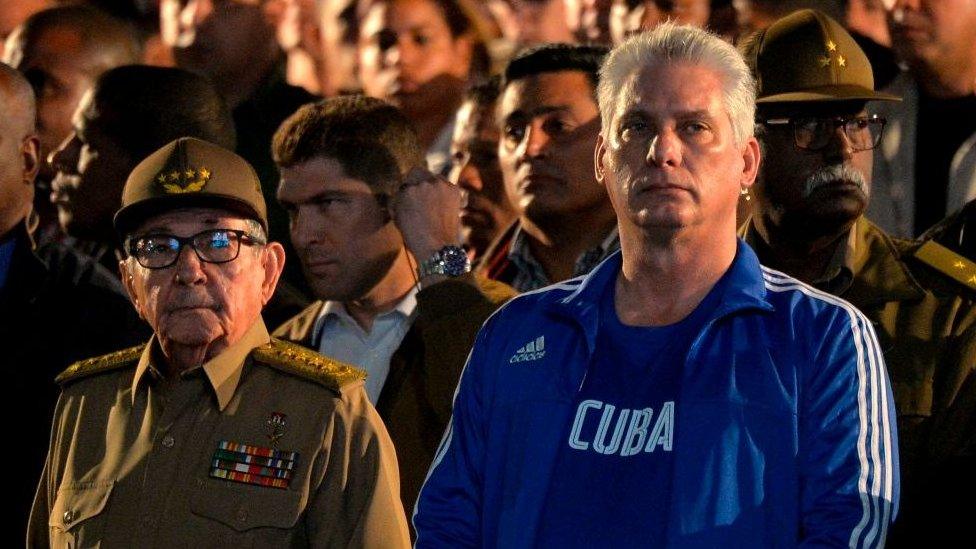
x,y
418,395
57,307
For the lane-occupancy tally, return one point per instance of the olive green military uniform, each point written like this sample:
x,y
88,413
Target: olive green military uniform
x,y
265,445
924,315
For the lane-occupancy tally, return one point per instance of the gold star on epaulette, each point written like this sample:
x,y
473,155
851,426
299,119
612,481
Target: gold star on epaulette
x,y
947,262
831,46
841,61
825,61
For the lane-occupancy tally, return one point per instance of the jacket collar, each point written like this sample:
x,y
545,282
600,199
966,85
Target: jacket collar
x,y
877,273
223,371
742,287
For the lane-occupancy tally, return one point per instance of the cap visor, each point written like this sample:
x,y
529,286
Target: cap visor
x,y
130,217
831,93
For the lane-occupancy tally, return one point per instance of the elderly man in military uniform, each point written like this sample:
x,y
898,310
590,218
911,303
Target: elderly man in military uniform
x,y
212,433
815,87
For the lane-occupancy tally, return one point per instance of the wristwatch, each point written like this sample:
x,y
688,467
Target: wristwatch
x,y
449,261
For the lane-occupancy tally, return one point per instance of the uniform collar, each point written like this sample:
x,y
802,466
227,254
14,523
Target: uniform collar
x,y
865,269
836,277
223,371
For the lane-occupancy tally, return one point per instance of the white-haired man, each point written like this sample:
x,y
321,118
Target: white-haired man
x,y
680,394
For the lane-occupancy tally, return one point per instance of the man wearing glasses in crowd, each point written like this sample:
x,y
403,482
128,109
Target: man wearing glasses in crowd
x,y
815,85
213,433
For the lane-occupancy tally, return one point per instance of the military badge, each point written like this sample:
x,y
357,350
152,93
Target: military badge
x,y
276,427
253,465
187,181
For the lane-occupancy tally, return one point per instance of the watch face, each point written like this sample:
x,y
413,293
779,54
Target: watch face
x,y
455,261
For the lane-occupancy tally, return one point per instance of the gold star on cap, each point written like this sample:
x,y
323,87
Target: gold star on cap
x,y
204,173
189,174
174,176
825,61
161,178
841,61
187,181
831,46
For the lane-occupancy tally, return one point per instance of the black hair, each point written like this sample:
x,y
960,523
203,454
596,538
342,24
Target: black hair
x,y
143,108
557,58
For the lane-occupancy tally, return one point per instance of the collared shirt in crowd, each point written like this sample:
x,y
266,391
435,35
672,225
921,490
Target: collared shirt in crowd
x,y
530,274
339,336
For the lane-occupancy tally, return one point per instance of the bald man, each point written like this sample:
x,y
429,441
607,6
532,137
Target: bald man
x,y
61,51
56,307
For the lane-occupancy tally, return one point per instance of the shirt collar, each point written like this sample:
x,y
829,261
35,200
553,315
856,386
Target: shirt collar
x,y
520,254
223,371
405,307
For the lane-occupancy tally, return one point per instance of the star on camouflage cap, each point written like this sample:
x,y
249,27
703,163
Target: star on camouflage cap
x,y
190,173
808,57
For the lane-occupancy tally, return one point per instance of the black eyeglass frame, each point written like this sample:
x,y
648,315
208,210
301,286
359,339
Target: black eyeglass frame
x,y
243,238
836,121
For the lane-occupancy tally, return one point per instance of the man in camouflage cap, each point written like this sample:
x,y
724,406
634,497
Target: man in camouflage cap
x,y
213,432
815,85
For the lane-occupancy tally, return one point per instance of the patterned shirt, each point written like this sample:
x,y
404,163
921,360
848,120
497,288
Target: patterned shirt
x,y
532,276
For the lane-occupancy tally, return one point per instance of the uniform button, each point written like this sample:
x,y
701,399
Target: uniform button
x,y
69,516
168,441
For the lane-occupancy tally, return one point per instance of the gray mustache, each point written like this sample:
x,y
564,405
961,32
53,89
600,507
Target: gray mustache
x,y
830,174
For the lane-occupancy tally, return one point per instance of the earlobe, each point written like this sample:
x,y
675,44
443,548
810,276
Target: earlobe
x,y
598,152
30,150
751,157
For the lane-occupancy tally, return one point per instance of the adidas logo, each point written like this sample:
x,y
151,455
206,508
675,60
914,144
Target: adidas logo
x,y
533,350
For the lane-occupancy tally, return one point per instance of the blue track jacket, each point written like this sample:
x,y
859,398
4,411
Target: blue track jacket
x,y
784,430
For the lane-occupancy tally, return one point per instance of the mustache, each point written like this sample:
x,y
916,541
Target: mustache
x,y
832,174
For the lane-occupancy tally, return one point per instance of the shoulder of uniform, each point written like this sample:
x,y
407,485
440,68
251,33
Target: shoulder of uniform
x,y
947,262
99,364
305,363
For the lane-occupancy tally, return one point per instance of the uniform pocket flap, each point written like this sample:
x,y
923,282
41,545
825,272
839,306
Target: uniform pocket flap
x,y
243,507
78,502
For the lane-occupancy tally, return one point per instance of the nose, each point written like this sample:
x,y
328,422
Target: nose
x,y
664,149
840,146
304,231
468,178
536,140
65,158
189,268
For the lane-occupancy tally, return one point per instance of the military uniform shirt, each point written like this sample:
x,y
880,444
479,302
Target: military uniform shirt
x,y
241,451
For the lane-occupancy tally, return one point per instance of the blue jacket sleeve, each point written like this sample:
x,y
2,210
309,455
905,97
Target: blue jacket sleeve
x,y
848,444
448,511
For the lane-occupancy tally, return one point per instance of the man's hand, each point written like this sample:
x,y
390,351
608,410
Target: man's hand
x,y
427,210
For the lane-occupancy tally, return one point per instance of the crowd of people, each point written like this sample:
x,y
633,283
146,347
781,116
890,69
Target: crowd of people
x,y
510,273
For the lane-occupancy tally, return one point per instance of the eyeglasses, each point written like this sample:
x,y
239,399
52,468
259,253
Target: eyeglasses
x,y
158,251
814,134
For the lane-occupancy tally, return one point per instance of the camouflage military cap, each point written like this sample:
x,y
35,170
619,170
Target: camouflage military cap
x,y
190,173
808,57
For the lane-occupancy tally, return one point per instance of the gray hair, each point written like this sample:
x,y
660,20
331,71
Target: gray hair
x,y
672,43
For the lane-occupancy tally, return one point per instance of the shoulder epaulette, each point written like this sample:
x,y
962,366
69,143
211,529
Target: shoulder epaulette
x,y
99,364
297,360
948,262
